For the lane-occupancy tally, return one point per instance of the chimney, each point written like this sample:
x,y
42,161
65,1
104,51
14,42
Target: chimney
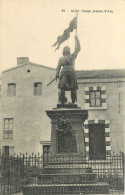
x,y
22,60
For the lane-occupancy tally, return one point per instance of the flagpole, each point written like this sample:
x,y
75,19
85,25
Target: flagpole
x,y
76,32
76,21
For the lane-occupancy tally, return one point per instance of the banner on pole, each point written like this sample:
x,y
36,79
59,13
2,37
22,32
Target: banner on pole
x,y
66,33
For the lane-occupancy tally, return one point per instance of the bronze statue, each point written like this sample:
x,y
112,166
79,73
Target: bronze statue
x,y
67,79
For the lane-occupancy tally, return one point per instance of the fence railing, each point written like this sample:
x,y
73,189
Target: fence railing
x,y
61,174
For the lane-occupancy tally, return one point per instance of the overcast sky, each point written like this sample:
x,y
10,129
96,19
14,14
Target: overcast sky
x,y
30,27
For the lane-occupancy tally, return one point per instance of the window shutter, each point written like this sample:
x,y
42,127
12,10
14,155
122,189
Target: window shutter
x,y
11,89
8,128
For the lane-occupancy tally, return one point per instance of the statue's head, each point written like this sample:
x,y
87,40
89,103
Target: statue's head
x,y
66,51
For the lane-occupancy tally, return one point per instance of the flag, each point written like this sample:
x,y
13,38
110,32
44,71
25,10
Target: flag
x,y
66,33
73,24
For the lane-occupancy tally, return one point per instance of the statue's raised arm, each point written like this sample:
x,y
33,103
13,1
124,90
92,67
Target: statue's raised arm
x,y
77,48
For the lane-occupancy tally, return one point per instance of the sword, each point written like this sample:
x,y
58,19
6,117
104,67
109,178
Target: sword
x,y
55,79
51,81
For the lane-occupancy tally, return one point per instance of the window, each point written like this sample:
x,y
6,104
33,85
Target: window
x,y
95,98
11,89
8,128
38,88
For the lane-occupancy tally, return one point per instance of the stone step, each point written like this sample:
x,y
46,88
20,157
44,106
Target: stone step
x,y
67,178
67,170
66,165
53,189
80,165
66,160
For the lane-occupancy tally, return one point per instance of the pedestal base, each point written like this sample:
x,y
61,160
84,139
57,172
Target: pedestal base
x,y
66,170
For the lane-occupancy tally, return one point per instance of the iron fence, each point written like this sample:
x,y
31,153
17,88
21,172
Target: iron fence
x,y
61,174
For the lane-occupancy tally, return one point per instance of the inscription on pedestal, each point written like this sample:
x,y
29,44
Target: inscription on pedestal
x,y
67,144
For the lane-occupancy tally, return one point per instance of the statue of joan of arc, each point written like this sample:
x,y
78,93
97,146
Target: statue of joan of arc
x,y
66,73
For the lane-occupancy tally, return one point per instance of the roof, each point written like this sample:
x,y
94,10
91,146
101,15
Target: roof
x,y
29,63
114,73
81,74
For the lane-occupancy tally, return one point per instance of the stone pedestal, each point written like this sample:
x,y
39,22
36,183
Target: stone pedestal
x,y
72,143
66,170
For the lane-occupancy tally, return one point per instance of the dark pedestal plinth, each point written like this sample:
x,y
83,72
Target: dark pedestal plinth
x,y
72,142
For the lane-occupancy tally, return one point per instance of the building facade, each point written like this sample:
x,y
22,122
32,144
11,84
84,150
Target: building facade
x,y
102,94
25,98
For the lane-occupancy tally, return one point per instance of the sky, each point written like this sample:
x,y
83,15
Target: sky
x,y
28,28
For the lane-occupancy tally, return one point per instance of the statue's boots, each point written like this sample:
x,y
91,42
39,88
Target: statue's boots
x,y
62,97
73,96
59,97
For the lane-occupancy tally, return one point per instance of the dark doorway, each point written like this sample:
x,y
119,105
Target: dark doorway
x,y
6,151
97,148
46,152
